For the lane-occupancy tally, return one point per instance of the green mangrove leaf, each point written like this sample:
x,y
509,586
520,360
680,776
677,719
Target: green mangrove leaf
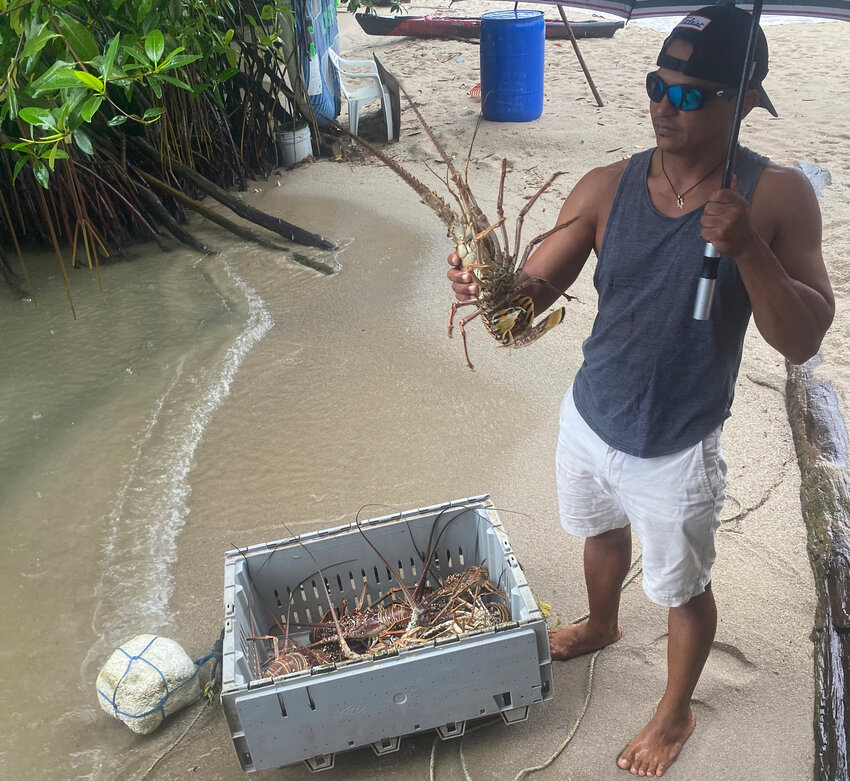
x,y
55,154
42,175
154,45
151,22
90,107
58,76
22,161
135,58
11,100
143,10
40,117
90,80
177,60
153,113
109,58
79,38
175,82
35,44
83,142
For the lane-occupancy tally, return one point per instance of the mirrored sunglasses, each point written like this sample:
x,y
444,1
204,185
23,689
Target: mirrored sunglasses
x,y
683,97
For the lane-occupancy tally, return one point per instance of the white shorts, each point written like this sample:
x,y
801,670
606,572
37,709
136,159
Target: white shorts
x,y
672,502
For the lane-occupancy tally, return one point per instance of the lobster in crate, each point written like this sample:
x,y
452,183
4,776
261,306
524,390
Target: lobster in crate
x,y
419,620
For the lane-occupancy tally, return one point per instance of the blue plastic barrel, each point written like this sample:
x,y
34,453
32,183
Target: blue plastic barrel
x,y
512,46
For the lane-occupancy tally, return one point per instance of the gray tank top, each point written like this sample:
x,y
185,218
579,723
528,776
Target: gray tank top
x,y
654,380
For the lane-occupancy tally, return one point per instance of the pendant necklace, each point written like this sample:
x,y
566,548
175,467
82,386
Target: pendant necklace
x,y
680,197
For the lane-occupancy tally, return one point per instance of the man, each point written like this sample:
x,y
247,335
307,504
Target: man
x,y
639,445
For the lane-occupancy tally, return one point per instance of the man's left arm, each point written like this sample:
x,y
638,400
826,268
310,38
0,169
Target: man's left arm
x,y
776,244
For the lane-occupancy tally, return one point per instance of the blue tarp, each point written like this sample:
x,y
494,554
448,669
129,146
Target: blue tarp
x,y
317,30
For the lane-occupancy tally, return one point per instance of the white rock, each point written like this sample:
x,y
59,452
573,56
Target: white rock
x,y
145,680
819,177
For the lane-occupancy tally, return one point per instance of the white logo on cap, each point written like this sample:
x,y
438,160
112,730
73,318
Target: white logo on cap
x,y
695,22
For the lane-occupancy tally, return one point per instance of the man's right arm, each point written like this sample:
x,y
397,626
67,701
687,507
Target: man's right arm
x,y
561,256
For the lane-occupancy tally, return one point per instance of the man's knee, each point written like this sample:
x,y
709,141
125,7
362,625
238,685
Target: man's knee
x,y
613,536
698,603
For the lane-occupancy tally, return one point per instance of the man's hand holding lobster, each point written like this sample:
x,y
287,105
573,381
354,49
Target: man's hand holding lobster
x,y
463,285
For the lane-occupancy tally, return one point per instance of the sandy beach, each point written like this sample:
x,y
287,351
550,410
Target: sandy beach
x,y
754,702
353,396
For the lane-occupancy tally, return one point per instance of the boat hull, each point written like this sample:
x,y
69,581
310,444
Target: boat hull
x,y
432,26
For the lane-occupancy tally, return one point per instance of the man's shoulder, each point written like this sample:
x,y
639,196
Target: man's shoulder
x,y
780,183
606,178
783,202
610,171
783,173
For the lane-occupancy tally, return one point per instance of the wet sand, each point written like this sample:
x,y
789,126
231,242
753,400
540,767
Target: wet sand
x,y
355,397
427,429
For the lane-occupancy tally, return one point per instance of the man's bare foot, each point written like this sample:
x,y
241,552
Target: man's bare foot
x,y
573,640
659,743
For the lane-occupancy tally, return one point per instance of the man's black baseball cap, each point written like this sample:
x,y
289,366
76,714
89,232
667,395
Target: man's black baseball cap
x,y
719,34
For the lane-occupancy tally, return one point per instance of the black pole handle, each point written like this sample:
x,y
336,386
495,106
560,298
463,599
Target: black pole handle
x,y
711,257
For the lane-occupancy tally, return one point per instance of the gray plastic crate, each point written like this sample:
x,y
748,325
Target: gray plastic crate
x,y
311,715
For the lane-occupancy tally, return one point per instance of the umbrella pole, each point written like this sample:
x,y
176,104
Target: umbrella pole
x,y
711,258
580,58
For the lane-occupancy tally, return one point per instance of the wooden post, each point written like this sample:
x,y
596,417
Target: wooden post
x,y
580,58
820,438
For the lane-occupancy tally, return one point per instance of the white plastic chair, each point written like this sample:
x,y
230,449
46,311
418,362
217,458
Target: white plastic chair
x,y
373,89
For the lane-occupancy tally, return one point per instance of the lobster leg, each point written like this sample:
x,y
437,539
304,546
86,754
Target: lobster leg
x,y
455,306
525,209
535,241
499,203
461,325
540,281
487,231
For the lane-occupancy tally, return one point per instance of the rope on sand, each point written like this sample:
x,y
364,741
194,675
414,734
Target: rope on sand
x,y
635,570
203,703
526,771
208,695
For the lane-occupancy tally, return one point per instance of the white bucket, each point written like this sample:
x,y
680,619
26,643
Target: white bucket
x,y
293,146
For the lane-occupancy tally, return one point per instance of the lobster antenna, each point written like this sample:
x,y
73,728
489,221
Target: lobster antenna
x,y
408,596
446,159
349,654
469,153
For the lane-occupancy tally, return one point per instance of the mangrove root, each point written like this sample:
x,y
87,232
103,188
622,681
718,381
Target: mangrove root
x,y
218,219
285,229
820,438
161,214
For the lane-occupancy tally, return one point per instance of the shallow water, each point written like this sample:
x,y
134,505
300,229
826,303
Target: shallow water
x,y
100,420
199,402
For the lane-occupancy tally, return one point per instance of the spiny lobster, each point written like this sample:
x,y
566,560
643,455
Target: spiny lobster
x,y
506,311
462,602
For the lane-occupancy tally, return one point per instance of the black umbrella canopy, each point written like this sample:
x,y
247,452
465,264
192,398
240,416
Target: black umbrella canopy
x,y
639,9
643,9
